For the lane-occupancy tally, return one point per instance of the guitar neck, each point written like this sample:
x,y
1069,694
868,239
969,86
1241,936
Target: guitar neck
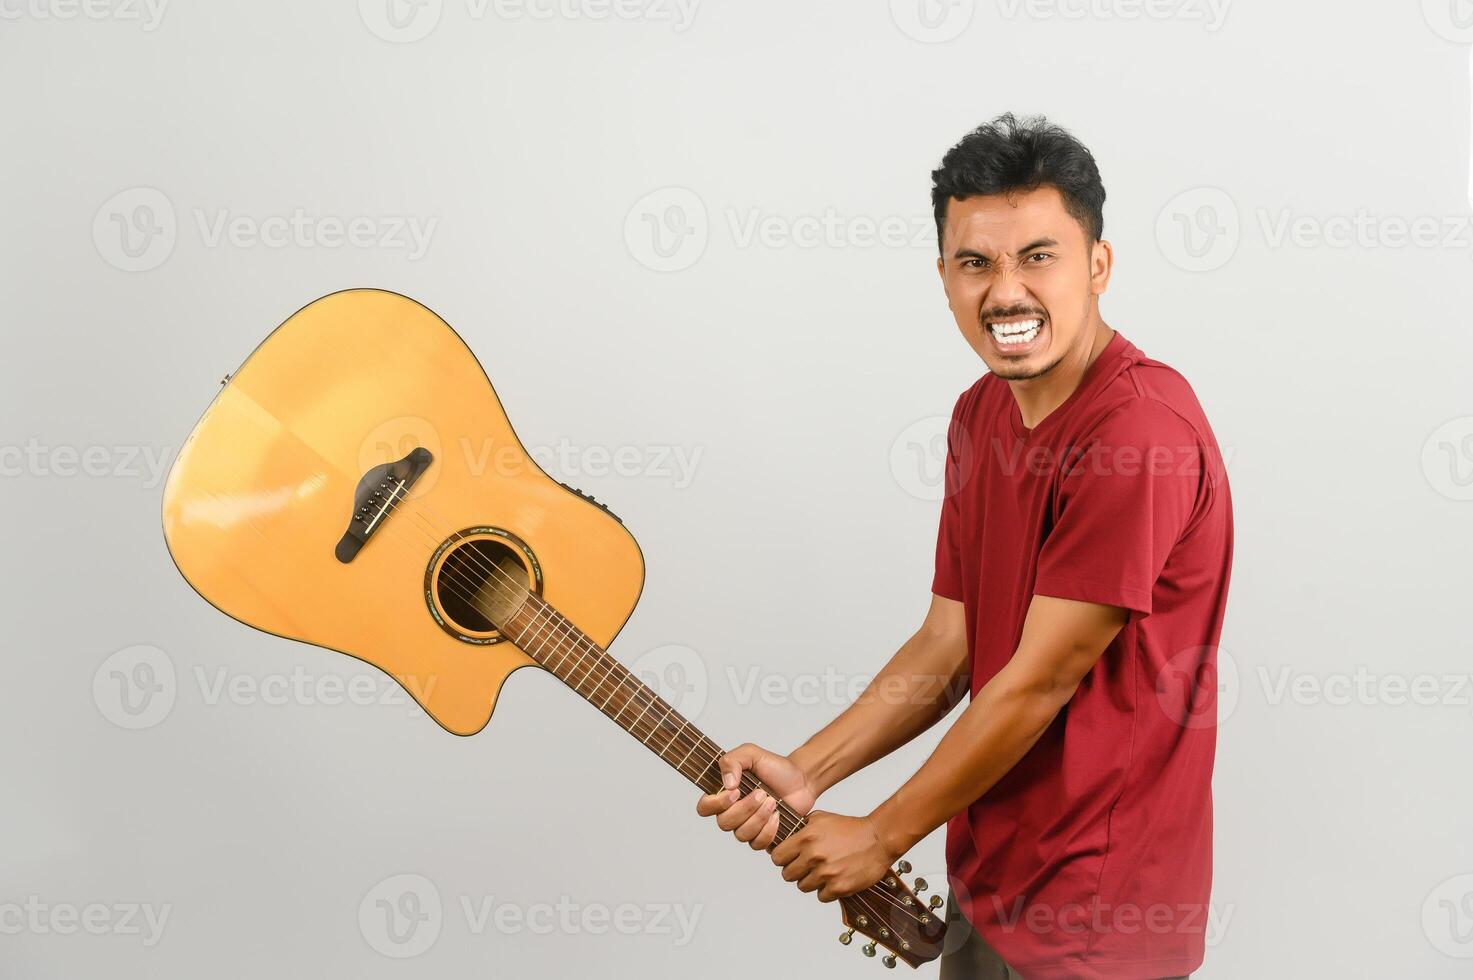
x,y
886,911
548,637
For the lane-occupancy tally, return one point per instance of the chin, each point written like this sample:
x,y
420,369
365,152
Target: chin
x,y
1018,368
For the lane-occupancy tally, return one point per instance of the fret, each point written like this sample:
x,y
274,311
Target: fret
x,y
663,725
686,756
635,723
554,642
541,632
557,644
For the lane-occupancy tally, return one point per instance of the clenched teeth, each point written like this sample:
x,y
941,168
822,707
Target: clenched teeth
x,y
1016,332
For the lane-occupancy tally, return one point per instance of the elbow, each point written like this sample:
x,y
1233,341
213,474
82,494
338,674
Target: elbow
x,y
1038,696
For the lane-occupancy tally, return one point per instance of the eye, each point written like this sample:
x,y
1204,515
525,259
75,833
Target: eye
x,y
1041,255
974,263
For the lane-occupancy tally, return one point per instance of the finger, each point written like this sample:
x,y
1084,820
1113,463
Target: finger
x,y
789,848
799,867
758,821
811,882
714,803
840,887
740,811
768,834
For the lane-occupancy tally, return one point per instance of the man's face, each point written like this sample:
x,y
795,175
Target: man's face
x,y
1020,277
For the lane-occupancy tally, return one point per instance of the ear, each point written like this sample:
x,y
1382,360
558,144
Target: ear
x,y
1101,262
941,271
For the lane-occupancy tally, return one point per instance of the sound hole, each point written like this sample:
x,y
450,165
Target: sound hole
x,y
480,583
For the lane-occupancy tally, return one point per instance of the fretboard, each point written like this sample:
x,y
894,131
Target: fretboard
x,y
549,638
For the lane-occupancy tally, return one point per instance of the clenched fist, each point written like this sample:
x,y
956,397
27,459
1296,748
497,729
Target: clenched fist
x,y
752,819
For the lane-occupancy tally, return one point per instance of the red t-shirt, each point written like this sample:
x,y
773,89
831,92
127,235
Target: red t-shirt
x,y
1092,857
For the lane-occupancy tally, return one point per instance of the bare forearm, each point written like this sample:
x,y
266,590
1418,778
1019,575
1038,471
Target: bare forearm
x,y
998,728
1062,639
916,689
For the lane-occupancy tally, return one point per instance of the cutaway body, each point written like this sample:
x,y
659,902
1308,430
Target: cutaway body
x,y
259,506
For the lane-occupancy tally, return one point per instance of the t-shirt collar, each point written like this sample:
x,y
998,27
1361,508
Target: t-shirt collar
x,y
1103,370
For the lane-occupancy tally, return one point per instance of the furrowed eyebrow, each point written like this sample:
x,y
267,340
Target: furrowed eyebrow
x,y
969,253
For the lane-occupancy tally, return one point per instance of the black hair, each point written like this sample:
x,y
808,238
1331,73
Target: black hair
x,y
1007,155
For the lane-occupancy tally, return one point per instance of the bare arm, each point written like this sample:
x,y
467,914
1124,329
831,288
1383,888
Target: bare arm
x,y
914,690
925,678
1062,639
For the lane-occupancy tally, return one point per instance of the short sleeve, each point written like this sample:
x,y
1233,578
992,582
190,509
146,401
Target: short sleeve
x,y
1124,501
947,581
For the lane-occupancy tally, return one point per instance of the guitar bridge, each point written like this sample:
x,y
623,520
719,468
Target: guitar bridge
x,y
378,493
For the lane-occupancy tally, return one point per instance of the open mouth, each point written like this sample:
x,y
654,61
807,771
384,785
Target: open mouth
x,y
1016,334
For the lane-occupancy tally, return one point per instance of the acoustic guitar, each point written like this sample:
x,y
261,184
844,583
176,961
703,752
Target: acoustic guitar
x,y
356,485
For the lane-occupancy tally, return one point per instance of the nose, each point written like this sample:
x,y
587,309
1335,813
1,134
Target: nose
x,y
1008,289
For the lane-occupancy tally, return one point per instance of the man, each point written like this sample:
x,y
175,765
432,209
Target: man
x,y
1082,568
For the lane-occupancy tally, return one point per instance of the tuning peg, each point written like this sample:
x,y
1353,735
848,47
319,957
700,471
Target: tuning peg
x,y
868,949
935,902
903,867
920,885
846,937
889,962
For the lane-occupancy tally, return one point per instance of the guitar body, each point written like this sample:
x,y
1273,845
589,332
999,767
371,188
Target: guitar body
x,y
356,485
367,390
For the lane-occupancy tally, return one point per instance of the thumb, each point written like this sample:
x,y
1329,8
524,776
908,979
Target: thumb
x,y
742,757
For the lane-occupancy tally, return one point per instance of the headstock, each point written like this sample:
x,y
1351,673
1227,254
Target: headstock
x,y
891,914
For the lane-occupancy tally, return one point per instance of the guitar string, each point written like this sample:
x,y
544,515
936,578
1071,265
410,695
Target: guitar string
x,y
562,657
517,590
553,617
534,627
576,635
636,694
560,634
611,665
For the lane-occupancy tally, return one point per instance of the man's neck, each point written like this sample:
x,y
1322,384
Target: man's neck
x,y
1038,397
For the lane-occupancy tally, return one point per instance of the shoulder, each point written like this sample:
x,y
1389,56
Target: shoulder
x,y
1152,415
1143,420
1150,399
975,398
1157,380
967,400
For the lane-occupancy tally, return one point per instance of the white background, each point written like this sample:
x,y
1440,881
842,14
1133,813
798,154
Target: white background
x,y
799,366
